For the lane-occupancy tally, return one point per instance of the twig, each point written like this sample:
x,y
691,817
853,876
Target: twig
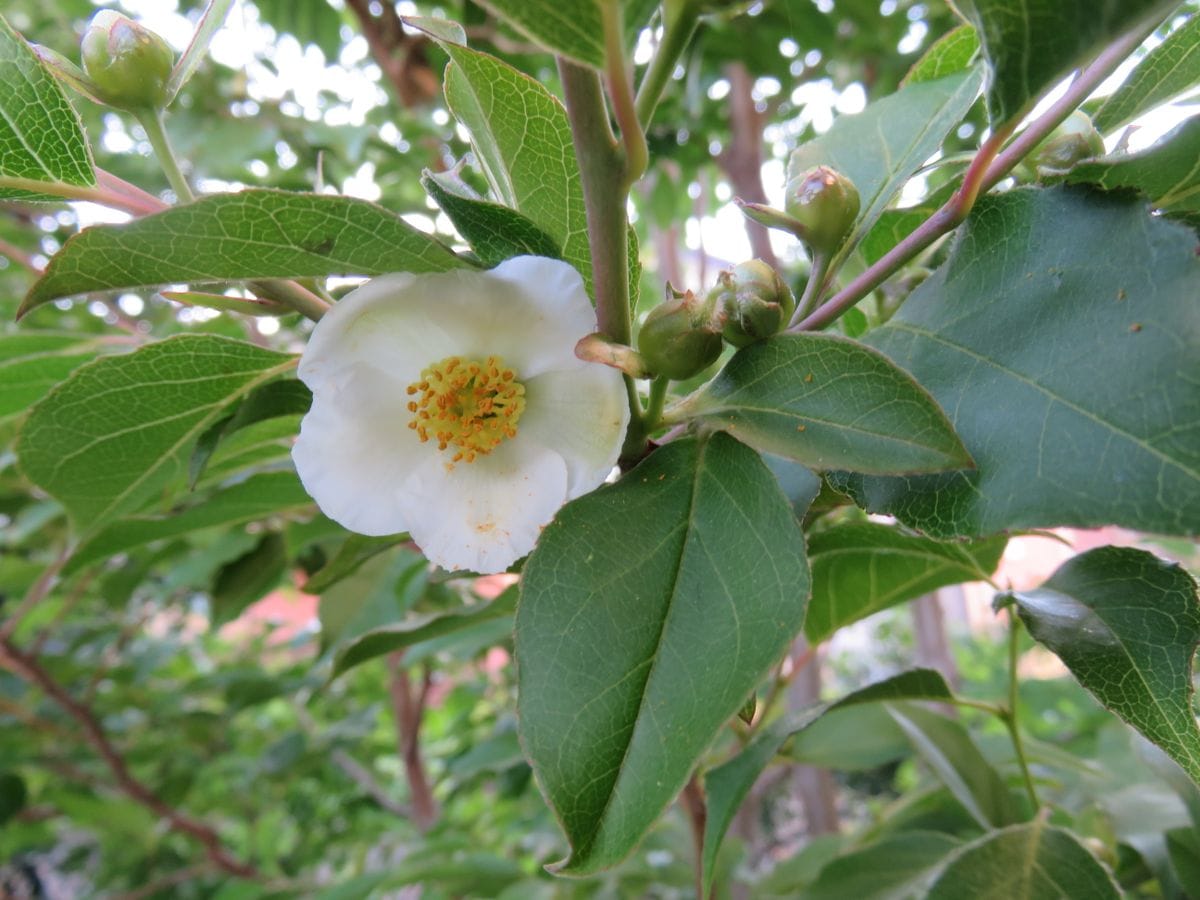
x,y
150,888
38,591
20,257
360,775
408,709
620,92
742,159
401,56
692,799
28,668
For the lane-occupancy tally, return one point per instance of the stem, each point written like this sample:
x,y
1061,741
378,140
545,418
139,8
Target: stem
x,y
812,290
292,296
692,799
28,668
101,195
20,257
1010,714
409,708
652,417
38,591
986,170
620,92
677,33
152,121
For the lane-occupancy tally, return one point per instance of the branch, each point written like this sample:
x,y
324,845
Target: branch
x,y
742,160
693,803
28,668
408,709
400,55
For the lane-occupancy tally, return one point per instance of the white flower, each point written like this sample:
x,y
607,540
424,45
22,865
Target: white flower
x,y
451,406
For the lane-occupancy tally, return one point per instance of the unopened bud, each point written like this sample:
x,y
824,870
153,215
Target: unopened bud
x,y
752,301
679,337
599,349
1073,141
129,65
824,204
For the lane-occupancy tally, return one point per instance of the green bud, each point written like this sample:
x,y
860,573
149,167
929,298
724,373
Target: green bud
x,y
1075,140
824,203
752,301
679,338
128,64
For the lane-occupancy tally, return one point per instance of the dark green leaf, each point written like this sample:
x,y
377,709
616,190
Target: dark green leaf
x,y
860,568
41,138
1169,69
1030,44
829,403
248,578
262,495
250,234
896,868
107,440
288,397
880,148
417,629
1183,848
949,54
1127,625
523,143
649,611
494,232
32,363
354,551
12,791
1168,173
574,30
1024,862
949,751
727,785
1068,365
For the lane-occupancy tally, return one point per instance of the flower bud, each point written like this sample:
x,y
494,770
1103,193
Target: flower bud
x,y
1073,141
752,301
128,64
679,338
824,203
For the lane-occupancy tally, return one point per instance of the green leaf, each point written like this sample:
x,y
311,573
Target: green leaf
x,y
953,52
251,234
1127,625
259,496
827,402
1168,173
574,30
522,141
860,568
1030,44
41,138
649,611
949,751
309,21
494,232
108,439
13,793
31,364
726,786
880,148
288,397
416,629
1183,848
248,578
378,594
1068,365
1024,862
897,867
1169,69
355,550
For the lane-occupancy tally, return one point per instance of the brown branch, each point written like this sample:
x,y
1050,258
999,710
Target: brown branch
x,y
20,257
408,708
742,160
28,668
400,55
692,800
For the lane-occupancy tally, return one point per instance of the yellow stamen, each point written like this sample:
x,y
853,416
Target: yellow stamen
x,y
470,405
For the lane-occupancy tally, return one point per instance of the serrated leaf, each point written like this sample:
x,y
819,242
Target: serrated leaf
x,y
1068,365
574,30
259,496
897,867
953,52
1169,69
957,762
1030,44
1168,173
726,786
417,629
649,611
41,138
882,147
495,232
1127,625
1024,862
121,428
862,568
251,234
1183,849
31,364
827,402
522,141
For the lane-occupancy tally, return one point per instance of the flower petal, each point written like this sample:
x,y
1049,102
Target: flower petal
x,y
355,442
484,516
581,413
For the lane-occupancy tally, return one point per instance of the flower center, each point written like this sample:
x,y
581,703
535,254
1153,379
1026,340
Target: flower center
x,y
466,404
